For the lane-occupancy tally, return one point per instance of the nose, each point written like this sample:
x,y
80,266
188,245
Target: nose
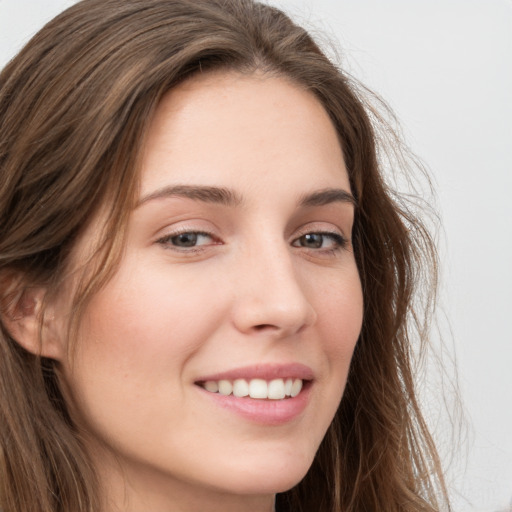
x,y
270,296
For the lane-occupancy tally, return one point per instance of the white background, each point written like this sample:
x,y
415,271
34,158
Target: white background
x,y
445,67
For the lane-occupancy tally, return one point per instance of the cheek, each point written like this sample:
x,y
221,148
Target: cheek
x,y
142,315
340,314
343,322
340,321
135,339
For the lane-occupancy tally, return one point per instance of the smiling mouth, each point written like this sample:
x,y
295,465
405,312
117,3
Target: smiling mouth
x,y
260,389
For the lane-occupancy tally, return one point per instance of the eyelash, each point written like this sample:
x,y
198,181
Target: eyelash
x,y
166,241
339,241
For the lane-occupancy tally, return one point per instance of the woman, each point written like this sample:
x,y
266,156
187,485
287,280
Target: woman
x,y
207,288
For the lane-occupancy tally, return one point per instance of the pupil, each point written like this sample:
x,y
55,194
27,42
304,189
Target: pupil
x,y
185,239
313,240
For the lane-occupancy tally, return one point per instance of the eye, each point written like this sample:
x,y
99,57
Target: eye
x,y
187,239
320,240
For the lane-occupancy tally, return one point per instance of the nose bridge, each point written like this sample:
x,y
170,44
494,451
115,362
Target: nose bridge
x,y
271,295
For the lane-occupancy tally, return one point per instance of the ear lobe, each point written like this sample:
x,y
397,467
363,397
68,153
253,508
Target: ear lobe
x,y
31,324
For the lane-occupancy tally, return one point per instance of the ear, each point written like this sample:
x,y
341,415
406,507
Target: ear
x,y
32,323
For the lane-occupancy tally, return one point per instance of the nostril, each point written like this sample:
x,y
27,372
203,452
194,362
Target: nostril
x,y
263,327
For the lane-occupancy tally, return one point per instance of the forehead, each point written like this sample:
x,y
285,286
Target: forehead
x,y
242,131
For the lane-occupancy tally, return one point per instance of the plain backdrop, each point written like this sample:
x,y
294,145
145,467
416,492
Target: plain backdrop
x,y
445,67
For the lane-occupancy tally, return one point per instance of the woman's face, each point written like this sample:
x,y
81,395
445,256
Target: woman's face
x,y
238,272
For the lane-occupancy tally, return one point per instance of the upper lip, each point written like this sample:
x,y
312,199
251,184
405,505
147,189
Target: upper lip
x,y
263,371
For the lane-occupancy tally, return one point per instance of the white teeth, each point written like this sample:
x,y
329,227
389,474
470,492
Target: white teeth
x,y
288,387
212,386
296,387
258,388
225,387
240,388
276,389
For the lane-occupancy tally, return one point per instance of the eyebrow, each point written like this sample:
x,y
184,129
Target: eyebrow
x,y
228,197
216,195
327,196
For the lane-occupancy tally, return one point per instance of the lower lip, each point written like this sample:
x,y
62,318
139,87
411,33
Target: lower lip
x,y
264,412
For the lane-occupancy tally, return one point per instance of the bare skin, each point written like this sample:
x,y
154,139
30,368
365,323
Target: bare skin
x,y
238,256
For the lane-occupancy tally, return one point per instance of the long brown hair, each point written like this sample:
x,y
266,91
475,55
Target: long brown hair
x,y
75,105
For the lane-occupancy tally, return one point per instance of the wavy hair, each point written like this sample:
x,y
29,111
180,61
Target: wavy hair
x,y
75,106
